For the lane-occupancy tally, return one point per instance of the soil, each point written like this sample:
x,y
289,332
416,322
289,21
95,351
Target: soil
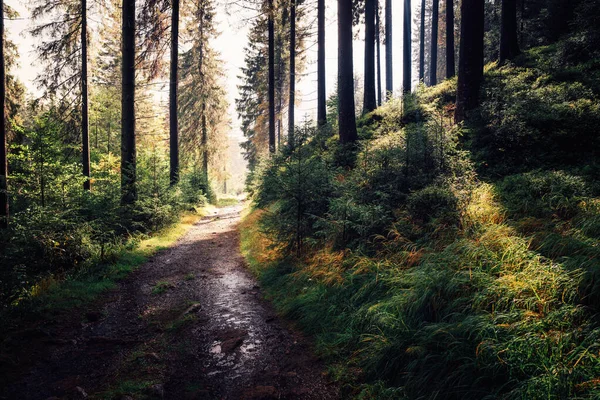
x,y
189,324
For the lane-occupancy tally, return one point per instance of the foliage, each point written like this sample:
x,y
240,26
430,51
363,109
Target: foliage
x,y
436,284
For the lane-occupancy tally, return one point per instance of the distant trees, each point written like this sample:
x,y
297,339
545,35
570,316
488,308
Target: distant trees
x,y
346,105
470,69
509,39
128,142
63,48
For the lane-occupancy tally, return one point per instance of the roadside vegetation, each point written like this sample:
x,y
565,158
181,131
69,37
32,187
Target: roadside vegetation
x,y
453,261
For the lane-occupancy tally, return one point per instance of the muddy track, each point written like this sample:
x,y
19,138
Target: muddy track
x,y
189,324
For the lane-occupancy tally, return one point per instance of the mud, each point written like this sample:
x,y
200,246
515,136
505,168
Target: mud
x,y
189,324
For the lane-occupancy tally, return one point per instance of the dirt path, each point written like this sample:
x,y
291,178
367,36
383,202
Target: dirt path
x,y
189,324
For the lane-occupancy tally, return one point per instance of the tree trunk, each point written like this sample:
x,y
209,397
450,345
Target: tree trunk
x,y
470,66
292,99
204,144
128,151
450,50
4,214
509,39
370,101
407,53
378,43
389,58
435,15
85,124
173,125
422,44
321,88
346,105
271,28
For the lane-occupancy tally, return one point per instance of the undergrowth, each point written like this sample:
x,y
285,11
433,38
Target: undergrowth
x,y
445,264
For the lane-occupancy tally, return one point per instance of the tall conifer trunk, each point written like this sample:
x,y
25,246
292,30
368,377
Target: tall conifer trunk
x,y
321,84
173,83
450,50
435,15
128,148
422,44
378,58
389,53
470,67
509,39
85,124
370,101
346,105
407,53
292,97
4,214
271,33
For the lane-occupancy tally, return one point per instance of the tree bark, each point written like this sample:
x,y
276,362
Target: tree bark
x,y
271,29
292,97
4,212
321,88
369,101
435,15
173,81
509,38
85,124
470,67
450,50
422,44
389,59
346,105
407,53
378,58
128,150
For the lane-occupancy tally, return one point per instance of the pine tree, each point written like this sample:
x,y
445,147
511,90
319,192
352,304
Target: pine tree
x,y
389,59
406,55
370,101
202,101
346,105
128,142
422,43
4,209
509,40
450,50
64,50
378,42
470,67
434,42
271,60
173,84
292,96
321,84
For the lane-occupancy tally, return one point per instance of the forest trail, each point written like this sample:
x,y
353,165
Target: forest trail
x,y
189,324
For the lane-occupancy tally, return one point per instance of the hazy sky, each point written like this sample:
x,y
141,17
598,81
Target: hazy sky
x,y
234,27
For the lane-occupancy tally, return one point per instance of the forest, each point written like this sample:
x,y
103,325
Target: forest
x,y
416,216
